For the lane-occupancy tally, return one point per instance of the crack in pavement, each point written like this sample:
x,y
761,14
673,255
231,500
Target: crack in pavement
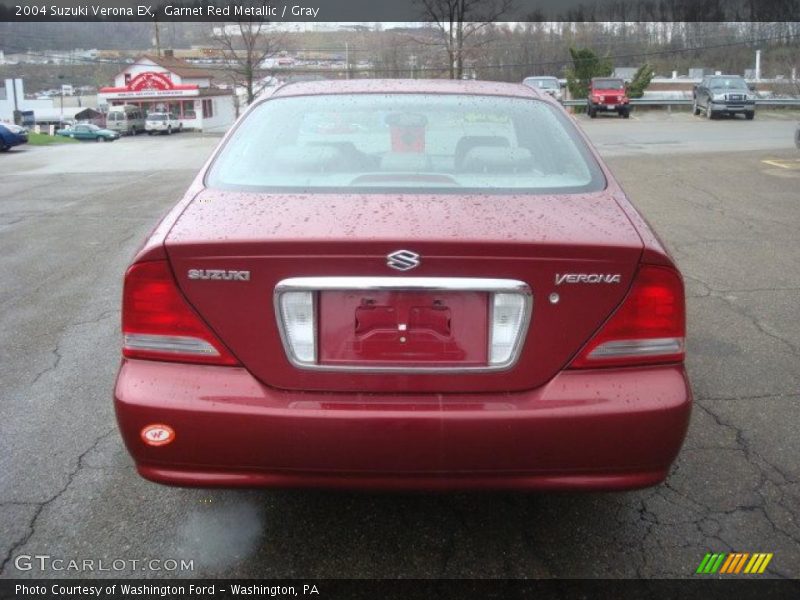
x,y
743,312
758,324
718,206
753,397
706,520
754,459
57,350
41,505
709,289
741,440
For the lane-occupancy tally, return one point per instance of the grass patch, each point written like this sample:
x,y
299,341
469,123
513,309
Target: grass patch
x,y
40,139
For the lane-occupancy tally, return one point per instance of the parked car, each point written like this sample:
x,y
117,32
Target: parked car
x,y
548,85
86,131
12,135
127,119
608,94
162,122
724,94
342,313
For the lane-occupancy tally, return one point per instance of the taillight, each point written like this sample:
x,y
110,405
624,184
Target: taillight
x,y
158,323
509,312
648,328
299,322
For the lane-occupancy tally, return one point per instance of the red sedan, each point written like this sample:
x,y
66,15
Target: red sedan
x,y
451,293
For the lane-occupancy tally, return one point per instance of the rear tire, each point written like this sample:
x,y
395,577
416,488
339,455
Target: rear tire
x,y
592,113
695,108
625,114
750,115
100,138
169,130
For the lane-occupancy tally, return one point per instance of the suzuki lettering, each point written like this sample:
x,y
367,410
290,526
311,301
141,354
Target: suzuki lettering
x,y
219,274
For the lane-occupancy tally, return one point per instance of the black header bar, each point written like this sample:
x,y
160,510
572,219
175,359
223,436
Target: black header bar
x,y
397,11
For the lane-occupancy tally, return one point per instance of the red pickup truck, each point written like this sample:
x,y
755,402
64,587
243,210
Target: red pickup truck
x,y
608,94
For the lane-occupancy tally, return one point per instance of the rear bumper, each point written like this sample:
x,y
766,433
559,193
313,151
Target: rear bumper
x,y
584,430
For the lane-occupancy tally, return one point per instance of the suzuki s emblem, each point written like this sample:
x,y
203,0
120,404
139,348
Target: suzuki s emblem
x,y
403,260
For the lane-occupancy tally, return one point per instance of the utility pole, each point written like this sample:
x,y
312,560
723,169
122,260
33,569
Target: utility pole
x,y
16,116
158,40
758,65
14,93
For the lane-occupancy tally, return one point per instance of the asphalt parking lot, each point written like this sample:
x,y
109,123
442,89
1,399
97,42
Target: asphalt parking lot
x,y
723,195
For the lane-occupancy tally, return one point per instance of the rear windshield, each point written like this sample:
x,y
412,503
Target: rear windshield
x,y
156,117
390,142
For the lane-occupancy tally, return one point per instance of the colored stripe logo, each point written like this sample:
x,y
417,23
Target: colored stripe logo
x,y
734,563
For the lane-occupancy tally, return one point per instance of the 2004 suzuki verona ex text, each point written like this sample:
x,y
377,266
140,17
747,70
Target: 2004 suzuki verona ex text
x,y
404,285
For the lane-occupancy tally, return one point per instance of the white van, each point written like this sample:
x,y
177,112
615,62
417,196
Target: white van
x,y
162,122
126,119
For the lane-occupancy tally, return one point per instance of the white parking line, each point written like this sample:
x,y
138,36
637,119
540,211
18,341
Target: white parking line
x,y
783,164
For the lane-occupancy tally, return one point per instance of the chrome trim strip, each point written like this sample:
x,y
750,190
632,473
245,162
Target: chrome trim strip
x,y
177,344
641,347
435,284
428,284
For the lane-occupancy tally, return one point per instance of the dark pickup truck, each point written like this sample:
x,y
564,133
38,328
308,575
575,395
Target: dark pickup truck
x,y
724,94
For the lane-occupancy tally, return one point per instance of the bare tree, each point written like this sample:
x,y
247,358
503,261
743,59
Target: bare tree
x,y
459,23
245,45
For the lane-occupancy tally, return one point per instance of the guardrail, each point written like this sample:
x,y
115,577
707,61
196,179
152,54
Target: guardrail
x,y
791,102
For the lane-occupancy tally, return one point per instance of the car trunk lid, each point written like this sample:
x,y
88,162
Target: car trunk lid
x,y
576,254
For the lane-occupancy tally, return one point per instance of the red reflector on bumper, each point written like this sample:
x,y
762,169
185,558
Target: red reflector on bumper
x,y
158,435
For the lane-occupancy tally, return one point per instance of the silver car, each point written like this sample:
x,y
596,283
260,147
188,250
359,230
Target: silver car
x,y
548,85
